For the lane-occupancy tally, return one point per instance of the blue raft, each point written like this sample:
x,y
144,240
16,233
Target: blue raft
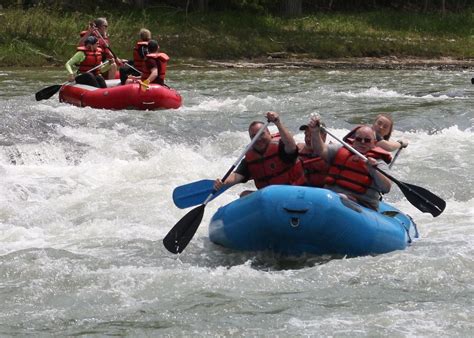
x,y
293,220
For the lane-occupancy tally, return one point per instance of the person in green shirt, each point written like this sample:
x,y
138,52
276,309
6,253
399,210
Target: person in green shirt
x,y
86,59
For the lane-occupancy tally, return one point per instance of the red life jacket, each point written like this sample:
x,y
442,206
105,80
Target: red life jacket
x,y
138,61
315,169
104,42
162,60
267,169
349,171
93,58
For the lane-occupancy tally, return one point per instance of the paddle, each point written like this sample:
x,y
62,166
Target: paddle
x,y
113,54
419,197
181,234
195,193
47,92
395,157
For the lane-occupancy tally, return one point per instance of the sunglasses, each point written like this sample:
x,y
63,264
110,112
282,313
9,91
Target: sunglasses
x,y
363,139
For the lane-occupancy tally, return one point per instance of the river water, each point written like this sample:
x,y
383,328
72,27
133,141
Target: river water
x,y
85,200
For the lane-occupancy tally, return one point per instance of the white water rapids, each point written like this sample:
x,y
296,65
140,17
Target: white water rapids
x,y
85,200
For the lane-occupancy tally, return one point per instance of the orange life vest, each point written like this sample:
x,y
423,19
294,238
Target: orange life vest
x,y
267,169
162,60
349,171
93,58
103,43
315,169
138,61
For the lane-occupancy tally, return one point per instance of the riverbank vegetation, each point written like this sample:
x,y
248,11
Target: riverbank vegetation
x,y
39,36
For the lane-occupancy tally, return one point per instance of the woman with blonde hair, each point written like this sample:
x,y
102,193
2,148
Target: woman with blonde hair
x,y
383,127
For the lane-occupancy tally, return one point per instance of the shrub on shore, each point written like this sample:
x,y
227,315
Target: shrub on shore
x,y
40,36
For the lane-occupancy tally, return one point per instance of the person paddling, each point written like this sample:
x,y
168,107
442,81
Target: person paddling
x,y
140,50
155,65
269,161
383,127
348,174
86,58
99,29
315,168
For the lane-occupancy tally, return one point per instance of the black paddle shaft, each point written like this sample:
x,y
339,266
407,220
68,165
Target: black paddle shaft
x,y
47,92
419,197
181,234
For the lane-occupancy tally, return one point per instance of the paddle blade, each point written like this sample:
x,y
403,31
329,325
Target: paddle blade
x,y
422,199
47,92
181,234
195,193
419,197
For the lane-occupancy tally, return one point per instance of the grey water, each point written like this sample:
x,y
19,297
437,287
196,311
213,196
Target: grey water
x,y
85,201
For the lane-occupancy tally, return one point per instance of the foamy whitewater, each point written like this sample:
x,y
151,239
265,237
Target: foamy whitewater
x,y
85,201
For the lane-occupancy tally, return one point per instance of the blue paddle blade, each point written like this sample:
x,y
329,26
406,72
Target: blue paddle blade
x,y
194,193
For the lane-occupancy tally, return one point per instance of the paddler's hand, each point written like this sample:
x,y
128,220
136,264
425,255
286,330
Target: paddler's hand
x,y
71,77
273,117
403,143
218,185
315,122
372,161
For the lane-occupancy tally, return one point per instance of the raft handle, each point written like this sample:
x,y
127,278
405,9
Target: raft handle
x,y
294,222
296,211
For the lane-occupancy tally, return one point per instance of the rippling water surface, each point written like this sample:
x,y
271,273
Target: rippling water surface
x,y
85,200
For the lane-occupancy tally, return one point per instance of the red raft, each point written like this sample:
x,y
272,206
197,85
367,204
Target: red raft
x,y
115,96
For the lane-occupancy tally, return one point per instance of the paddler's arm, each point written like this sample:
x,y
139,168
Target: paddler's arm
x,y
285,135
233,179
72,62
392,145
317,143
240,175
106,66
382,183
153,65
153,75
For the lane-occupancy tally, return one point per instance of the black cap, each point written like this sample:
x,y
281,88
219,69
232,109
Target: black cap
x,y
90,40
305,126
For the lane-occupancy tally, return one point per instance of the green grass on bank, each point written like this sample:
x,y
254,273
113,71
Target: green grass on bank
x,y
27,38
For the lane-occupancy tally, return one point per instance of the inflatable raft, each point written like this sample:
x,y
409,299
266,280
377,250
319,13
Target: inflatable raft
x,y
115,96
291,220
